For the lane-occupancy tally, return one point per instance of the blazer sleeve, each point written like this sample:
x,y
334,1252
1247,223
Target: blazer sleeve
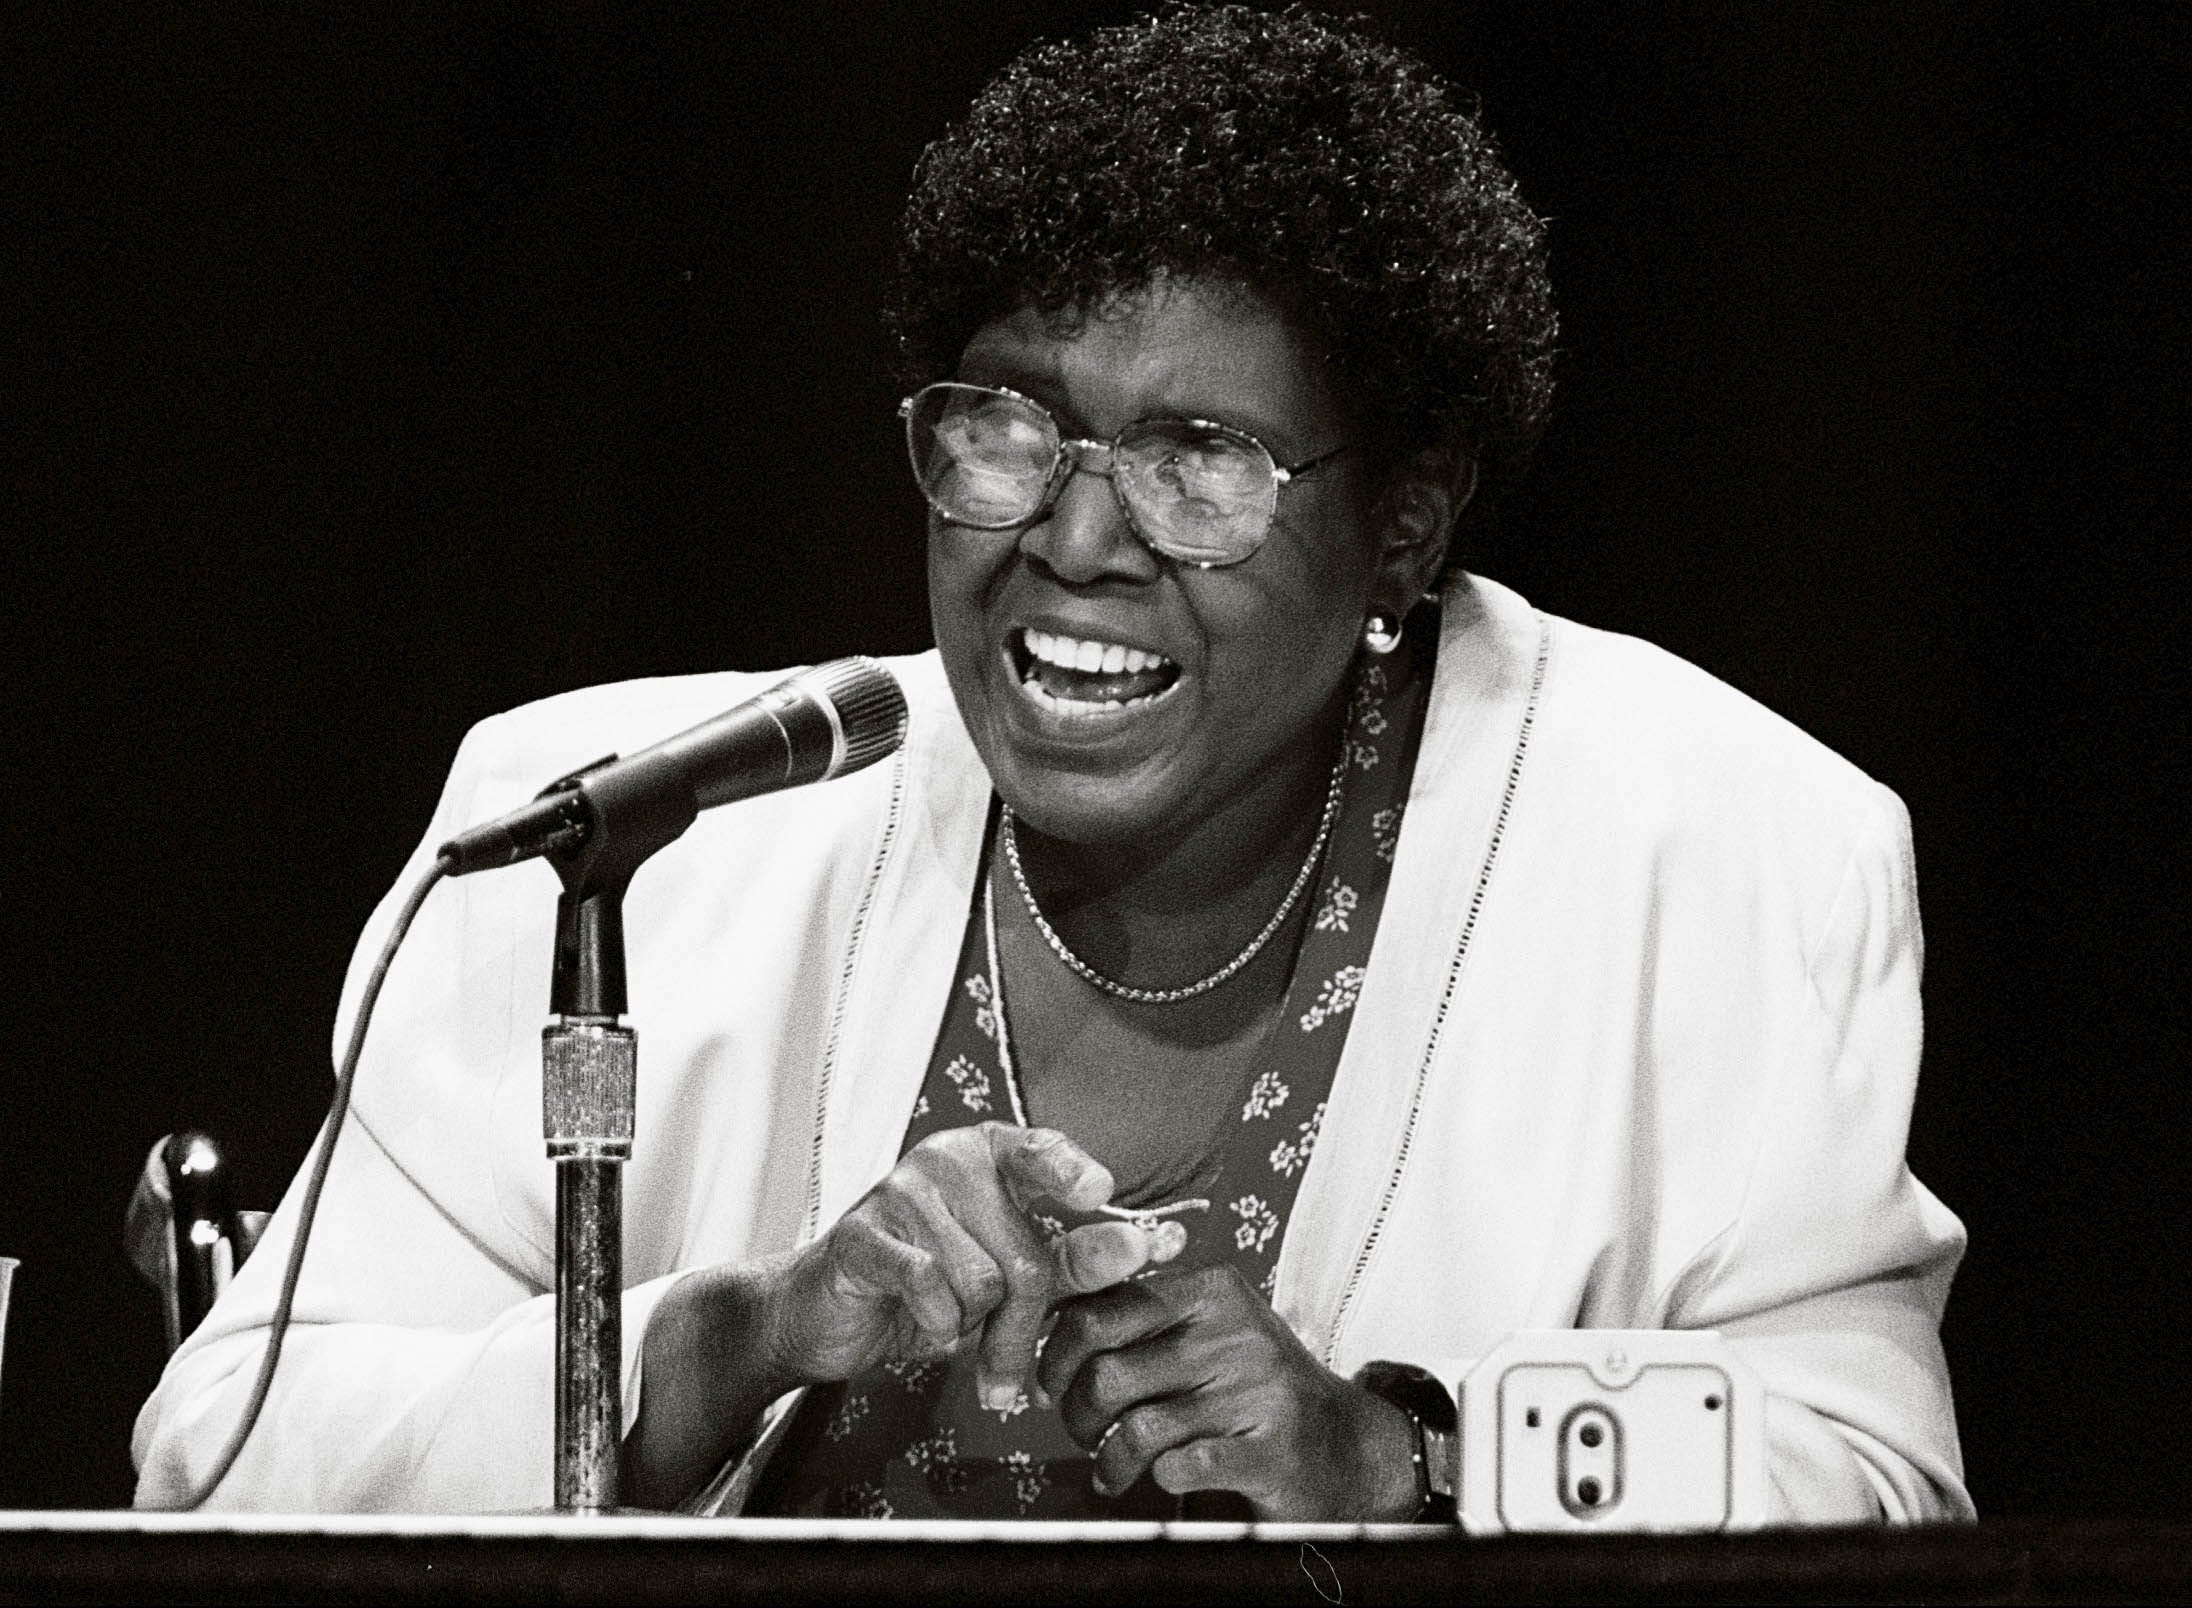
x,y
1831,1279
417,1374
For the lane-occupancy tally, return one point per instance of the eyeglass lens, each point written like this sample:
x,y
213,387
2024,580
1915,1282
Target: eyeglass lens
x,y
988,459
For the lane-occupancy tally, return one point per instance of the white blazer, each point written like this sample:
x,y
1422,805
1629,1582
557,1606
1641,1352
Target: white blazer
x,y
1636,1049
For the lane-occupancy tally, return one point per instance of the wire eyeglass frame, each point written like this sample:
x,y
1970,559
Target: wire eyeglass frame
x,y
1075,452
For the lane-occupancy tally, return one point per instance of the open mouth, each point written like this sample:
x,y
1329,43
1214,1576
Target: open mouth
x,y
1074,675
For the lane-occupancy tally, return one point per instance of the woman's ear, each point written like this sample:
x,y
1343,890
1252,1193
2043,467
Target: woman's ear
x,y
1418,512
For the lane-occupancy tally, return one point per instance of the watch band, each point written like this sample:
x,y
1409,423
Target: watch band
x,y
1437,1424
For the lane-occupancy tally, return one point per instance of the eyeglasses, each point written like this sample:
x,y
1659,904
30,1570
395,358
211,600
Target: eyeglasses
x,y
1199,492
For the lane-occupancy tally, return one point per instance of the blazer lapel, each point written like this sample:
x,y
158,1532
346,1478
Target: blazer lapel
x,y
1488,660
905,936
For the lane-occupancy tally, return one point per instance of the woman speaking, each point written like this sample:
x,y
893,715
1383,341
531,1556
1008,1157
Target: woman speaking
x,y
1278,965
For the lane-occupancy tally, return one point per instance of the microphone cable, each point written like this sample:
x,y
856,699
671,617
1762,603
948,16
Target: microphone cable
x,y
278,1327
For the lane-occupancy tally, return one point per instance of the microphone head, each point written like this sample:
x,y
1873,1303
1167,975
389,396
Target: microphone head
x,y
866,707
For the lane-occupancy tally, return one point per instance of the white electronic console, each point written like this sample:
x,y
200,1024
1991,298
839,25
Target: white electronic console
x,y
1572,1430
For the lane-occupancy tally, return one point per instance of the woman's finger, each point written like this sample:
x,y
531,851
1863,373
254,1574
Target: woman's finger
x,y
1004,1294
990,1199
917,1212
1035,1163
1095,1332
967,1192
1007,1355
1212,1463
872,1262
1098,1255
1178,1361
1138,1437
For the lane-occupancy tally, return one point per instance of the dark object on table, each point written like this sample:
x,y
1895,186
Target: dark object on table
x,y
183,1232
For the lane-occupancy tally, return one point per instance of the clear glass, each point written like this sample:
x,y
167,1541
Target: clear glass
x,y
992,459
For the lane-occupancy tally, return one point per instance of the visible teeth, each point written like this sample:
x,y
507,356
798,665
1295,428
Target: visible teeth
x,y
1081,706
1073,653
1070,652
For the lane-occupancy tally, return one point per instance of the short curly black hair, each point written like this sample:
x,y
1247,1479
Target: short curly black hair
x,y
1285,151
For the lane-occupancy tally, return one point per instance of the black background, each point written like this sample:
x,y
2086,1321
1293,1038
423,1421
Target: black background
x,y
379,370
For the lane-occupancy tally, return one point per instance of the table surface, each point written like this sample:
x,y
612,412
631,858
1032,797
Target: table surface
x,y
48,1557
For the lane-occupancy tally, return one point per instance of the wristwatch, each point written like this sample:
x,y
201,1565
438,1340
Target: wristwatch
x,y
1437,1426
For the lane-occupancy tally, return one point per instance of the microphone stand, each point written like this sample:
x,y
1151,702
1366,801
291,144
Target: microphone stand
x,y
598,826
589,1086
589,1083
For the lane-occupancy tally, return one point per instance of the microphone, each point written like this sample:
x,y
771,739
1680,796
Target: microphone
x,y
821,723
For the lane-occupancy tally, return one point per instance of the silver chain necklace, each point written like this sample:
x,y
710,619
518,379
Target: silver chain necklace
x,y
1172,996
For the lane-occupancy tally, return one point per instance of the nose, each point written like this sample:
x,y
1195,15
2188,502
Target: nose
x,y
1084,536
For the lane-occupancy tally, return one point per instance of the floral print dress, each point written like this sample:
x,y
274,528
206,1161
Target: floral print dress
x,y
912,1439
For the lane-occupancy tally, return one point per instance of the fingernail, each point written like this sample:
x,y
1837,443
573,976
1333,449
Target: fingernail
x,y
999,1397
1040,1397
1170,1240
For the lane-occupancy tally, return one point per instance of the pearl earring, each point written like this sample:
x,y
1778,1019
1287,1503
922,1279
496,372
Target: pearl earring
x,y
1381,632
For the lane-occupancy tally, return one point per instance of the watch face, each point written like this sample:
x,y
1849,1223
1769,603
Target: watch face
x,y
1441,1462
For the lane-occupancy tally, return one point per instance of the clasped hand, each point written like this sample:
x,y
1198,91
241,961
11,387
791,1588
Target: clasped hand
x,y
1191,1377
1186,1375
942,1250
